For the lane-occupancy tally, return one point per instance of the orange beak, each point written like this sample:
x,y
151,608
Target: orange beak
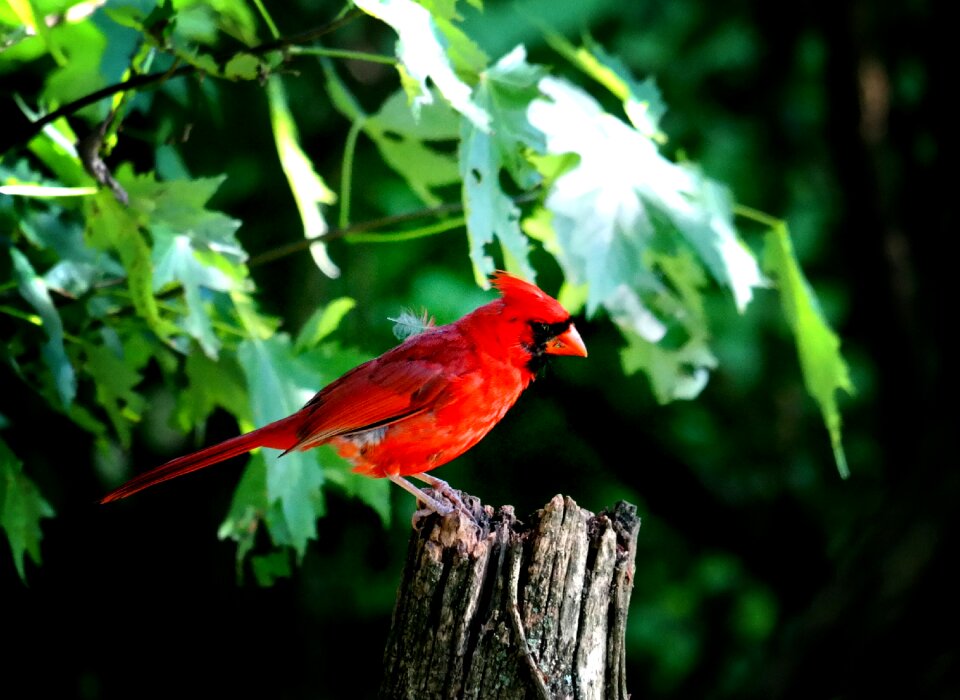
x,y
567,343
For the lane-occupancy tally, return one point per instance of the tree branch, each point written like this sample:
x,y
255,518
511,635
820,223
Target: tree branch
x,y
370,225
145,80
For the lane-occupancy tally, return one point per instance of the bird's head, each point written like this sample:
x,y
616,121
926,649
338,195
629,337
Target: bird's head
x,y
540,325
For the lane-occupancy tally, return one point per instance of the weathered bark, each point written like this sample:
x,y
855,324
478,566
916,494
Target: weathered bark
x,y
512,610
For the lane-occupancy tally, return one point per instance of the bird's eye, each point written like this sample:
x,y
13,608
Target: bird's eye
x,y
542,332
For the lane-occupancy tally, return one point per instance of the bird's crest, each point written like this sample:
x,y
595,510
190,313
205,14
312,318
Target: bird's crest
x,y
523,294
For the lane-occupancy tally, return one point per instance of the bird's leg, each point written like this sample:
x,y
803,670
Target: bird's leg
x,y
431,502
444,489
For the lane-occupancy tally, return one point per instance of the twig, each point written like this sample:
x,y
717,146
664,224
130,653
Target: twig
x,y
143,80
370,225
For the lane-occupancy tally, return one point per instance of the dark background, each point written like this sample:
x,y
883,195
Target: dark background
x,y
760,573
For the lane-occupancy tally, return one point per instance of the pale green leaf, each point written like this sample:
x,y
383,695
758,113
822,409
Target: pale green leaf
x,y
605,210
181,206
403,135
309,189
34,290
642,101
21,510
674,374
824,370
505,91
175,261
193,246
427,53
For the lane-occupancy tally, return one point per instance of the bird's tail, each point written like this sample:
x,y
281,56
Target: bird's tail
x,y
281,435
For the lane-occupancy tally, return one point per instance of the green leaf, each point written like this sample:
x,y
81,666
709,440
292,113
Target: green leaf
x,y
34,290
402,136
21,510
505,92
673,374
280,383
211,384
621,188
84,45
679,365
247,509
181,206
824,370
622,203
642,101
374,492
193,246
111,226
322,323
244,66
309,189
29,17
176,262
268,568
116,376
428,53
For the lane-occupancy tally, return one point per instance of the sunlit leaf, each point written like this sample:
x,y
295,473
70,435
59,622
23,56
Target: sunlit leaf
x,y
824,370
620,208
193,246
505,92
425,52
642,101
309,189
322,323
29,17
113,227
84,45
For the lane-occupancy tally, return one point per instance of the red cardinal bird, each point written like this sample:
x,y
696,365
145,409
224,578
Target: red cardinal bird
x,y
419,405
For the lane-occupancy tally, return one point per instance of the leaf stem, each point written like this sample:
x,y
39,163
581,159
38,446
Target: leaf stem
x,y
347,185
343,53
267,19
397,236
757,216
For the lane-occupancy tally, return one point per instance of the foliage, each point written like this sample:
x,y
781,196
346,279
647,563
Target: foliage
x,y
115,267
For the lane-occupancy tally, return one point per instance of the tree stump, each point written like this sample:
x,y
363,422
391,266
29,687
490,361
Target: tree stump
x,y
509,610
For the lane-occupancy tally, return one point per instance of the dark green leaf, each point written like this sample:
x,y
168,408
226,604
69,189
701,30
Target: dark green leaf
x,y
34,291
21,510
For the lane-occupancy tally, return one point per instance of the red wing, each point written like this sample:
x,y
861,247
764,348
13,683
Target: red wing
x,y
377,393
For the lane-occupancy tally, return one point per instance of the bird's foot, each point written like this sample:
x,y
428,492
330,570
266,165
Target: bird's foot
x,y
445,490
434,505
